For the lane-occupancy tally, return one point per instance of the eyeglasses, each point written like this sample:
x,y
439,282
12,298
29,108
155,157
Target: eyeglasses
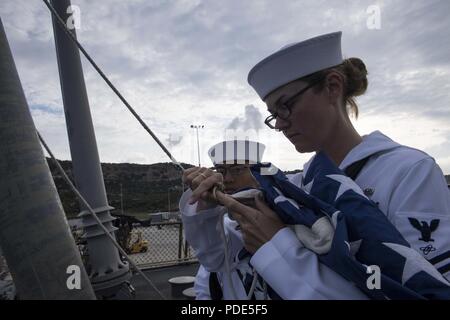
x,y
284,109
233,170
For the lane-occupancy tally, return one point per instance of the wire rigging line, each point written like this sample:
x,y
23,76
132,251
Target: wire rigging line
x,y
216,188
94,215
113,88
219,188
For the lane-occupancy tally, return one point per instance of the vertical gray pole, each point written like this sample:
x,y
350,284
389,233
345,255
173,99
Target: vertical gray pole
x,y
107,272
168,199
180,240
34,233
196,127
121,199
198,149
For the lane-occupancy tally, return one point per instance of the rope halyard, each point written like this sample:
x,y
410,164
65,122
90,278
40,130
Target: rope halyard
x,y
94,215
217,188
109,83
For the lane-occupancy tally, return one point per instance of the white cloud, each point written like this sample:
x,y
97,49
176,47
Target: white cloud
x,y
183,62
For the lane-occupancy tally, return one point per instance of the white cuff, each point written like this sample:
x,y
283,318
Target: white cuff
x,y
285,239
264,257
274,249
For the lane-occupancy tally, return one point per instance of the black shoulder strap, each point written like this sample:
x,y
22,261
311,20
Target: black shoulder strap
x,y
353,170
215,290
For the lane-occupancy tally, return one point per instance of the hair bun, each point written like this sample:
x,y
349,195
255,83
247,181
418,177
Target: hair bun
x,y
358,63
356,73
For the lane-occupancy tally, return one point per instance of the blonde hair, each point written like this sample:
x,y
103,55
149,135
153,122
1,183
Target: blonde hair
x,y
355,81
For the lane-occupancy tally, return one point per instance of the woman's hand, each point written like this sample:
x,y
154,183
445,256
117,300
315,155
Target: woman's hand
x,y
257,225
202,181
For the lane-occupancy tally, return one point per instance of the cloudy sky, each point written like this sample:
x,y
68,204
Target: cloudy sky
x,y
183,62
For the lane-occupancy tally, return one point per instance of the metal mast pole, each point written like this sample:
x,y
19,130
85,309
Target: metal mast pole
x,y
198,148
108,273
168,198
121,199
34,234
196,127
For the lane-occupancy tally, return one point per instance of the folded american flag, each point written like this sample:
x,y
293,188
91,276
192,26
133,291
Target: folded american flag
x,y
361,236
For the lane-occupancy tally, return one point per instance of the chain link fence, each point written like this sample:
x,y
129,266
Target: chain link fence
x,y
165,245
151,246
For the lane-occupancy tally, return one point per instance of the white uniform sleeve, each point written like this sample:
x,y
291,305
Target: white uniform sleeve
x,y
420,210
291,270
295,272
202,232
201,284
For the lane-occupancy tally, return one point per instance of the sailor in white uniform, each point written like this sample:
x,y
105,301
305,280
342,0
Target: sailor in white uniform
x,y
309,90
202,230
234,168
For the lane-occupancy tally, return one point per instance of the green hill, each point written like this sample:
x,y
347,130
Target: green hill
x,y
145,188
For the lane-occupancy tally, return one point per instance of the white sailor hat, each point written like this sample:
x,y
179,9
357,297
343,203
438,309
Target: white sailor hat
x,y
236,152
295,61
